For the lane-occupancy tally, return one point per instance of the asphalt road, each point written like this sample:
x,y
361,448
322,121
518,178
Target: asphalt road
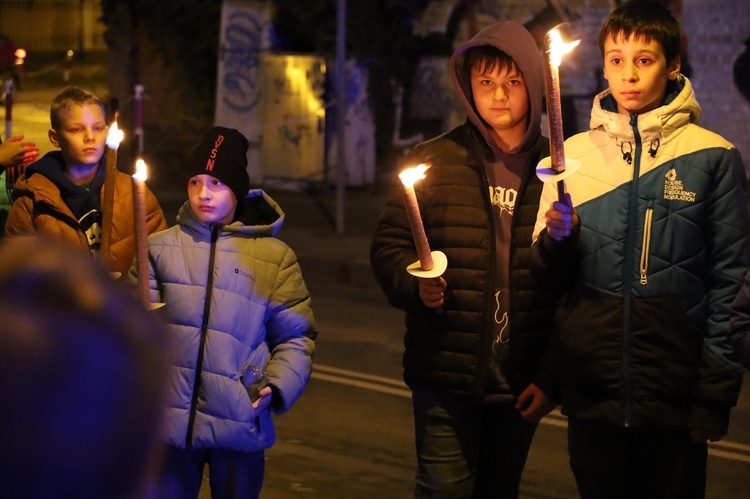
x,y
350,435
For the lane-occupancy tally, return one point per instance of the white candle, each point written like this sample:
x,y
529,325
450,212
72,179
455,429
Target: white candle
x,y
408,177
114,137
139,199
556,48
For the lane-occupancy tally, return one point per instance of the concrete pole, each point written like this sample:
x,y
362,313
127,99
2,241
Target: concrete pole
x,y
8,108
138,90
82,27
341,90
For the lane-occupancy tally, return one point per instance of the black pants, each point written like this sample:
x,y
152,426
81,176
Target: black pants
x,y
615,462
470,451
231,474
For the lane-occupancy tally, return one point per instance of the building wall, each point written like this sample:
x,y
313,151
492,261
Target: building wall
x,y
716,32
715,35
54,25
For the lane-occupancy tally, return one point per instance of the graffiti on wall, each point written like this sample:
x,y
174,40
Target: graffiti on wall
x,y
239,54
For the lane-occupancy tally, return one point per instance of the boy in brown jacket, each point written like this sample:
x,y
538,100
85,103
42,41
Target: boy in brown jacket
x,y
59,195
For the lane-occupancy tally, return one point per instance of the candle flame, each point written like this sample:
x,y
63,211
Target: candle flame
x,y
411,175
141,170
114,136
558,48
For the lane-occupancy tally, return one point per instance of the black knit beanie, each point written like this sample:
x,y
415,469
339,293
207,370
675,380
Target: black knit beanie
x,y
222,153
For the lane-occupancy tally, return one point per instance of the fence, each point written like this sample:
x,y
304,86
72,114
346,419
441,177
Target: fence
x,y
54,25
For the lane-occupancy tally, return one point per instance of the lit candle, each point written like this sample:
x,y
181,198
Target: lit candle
x,y
408,177
556,48
139,197
114,137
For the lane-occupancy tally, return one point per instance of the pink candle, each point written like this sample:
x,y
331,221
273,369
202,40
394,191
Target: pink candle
x,y
552,58
408,177
139,199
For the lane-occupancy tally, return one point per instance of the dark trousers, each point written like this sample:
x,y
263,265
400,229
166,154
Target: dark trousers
x,y
615,462
470,451
231,474
693,482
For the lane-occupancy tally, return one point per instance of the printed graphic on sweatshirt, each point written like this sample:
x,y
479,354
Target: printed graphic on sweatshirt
x,y
90,225
499,357
503,198
674,190
501,319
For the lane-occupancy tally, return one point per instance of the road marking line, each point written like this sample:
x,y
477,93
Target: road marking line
x,y
356,375
723,449
362,384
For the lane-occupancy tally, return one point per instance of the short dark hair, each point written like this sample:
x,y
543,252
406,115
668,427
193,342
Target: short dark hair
x,y
648,19
486,57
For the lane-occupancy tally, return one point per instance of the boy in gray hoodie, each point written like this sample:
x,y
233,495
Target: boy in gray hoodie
x,y
476,334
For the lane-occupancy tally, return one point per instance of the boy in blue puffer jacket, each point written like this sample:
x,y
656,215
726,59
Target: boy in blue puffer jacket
x,y
655,221
235,304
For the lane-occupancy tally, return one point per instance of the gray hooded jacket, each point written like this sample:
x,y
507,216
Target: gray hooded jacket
x,y
235,298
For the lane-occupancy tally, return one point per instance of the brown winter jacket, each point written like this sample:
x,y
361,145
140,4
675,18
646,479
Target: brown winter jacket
x,y
38,208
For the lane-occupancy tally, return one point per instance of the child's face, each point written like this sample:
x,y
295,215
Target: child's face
x,y
82,134
637,72
211,199
501,99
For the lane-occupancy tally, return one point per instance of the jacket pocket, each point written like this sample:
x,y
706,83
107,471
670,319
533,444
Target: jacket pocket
x,y
665,350
591,343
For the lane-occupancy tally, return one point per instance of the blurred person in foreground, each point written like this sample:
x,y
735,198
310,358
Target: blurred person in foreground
x,y
476,335
83,370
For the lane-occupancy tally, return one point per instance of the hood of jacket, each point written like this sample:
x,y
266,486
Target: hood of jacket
x,y
680,108
52,167
257,214
513,39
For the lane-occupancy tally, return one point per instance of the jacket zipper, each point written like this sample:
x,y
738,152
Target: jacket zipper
x,y
627,278
646,246
204,334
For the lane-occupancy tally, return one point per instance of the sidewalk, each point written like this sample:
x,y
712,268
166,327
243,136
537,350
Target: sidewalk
x,y
310,230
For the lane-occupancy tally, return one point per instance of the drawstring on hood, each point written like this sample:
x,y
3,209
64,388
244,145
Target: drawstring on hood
x,y
513,39
627,152
653,148
656,127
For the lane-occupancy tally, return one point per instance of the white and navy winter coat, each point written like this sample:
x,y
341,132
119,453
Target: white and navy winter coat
x,y
661,253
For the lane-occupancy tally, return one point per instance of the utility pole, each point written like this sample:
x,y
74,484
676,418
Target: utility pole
x,y
341,101
81,31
